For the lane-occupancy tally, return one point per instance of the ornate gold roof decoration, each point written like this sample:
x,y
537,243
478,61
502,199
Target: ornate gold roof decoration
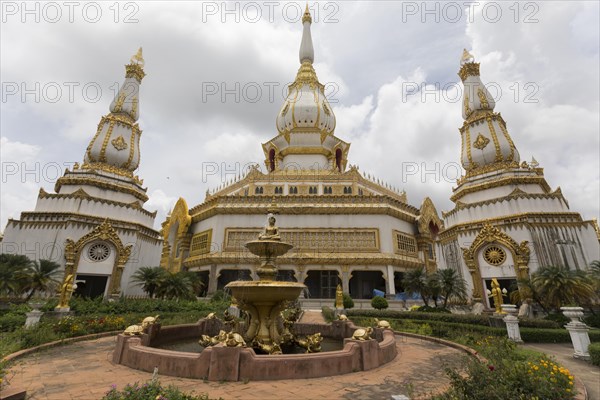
x,y
119,143
466,57
469,69
481,142
135,69
429,221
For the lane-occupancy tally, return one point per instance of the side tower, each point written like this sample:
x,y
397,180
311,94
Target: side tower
x,y
95,224
507,221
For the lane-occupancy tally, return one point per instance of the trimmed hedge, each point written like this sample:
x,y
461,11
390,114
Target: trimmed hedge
x,y
99,306
450,330
483,320
594,350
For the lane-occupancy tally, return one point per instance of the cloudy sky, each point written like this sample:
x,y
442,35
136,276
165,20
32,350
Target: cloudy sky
x,y
217,72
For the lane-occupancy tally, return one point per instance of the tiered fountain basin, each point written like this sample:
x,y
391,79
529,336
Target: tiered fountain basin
x,y
221,363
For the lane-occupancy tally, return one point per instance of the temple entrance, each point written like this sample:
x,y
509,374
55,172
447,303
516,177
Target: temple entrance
x,y
322,284
363,283
90,286
230,275
398,277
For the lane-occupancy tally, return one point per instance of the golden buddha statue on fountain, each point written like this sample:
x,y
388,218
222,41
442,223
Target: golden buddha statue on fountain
x,y
270,232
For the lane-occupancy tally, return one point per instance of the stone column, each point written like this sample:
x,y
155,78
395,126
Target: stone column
x,y
212,281
33,318
512,322
578,331
391,288
345,279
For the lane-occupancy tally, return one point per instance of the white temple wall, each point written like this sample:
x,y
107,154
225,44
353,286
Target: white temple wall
x,y
305,162
496,192
101,193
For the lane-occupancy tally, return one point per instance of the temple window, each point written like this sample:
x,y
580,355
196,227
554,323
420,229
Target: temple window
x,y
272,160
338,159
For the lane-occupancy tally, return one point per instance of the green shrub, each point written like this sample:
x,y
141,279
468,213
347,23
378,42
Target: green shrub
x,y
471,319
348,302
10,321
559,318
379,303
220,295
328,313
592,320
594,350
31,337
99,306
434,309
151,390
538,323
509,373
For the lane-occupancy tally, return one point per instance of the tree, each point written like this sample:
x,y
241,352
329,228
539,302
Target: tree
x,y
176,285
149,278
195,280
452,285
415,281
379,303
13,274
42,276
557,286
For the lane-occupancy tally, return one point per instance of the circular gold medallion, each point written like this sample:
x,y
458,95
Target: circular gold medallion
x,y
494,255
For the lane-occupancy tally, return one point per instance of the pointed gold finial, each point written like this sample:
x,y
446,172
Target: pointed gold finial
x,y
307,16
466,57
138,59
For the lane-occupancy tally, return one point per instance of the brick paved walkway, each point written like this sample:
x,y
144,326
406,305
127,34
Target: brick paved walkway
x,y
84,371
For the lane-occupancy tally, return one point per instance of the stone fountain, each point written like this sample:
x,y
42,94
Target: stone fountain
x,y
264,299
227,355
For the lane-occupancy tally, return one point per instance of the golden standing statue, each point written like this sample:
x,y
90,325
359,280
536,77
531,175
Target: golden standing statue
x,y
339,297
66,290
497,294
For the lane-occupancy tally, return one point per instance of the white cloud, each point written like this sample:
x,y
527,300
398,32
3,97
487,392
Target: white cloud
x,y
368,52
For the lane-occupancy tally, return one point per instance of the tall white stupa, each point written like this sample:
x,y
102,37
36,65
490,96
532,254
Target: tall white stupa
x,y
95,225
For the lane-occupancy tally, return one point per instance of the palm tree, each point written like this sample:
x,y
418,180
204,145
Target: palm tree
x,y
433,288
176,286
415,281
557,286
42,276
452,285
594,274
13,274
149,278
196,281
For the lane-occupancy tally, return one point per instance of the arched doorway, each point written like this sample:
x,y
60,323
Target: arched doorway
x,y
322,284
230,275
363,283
